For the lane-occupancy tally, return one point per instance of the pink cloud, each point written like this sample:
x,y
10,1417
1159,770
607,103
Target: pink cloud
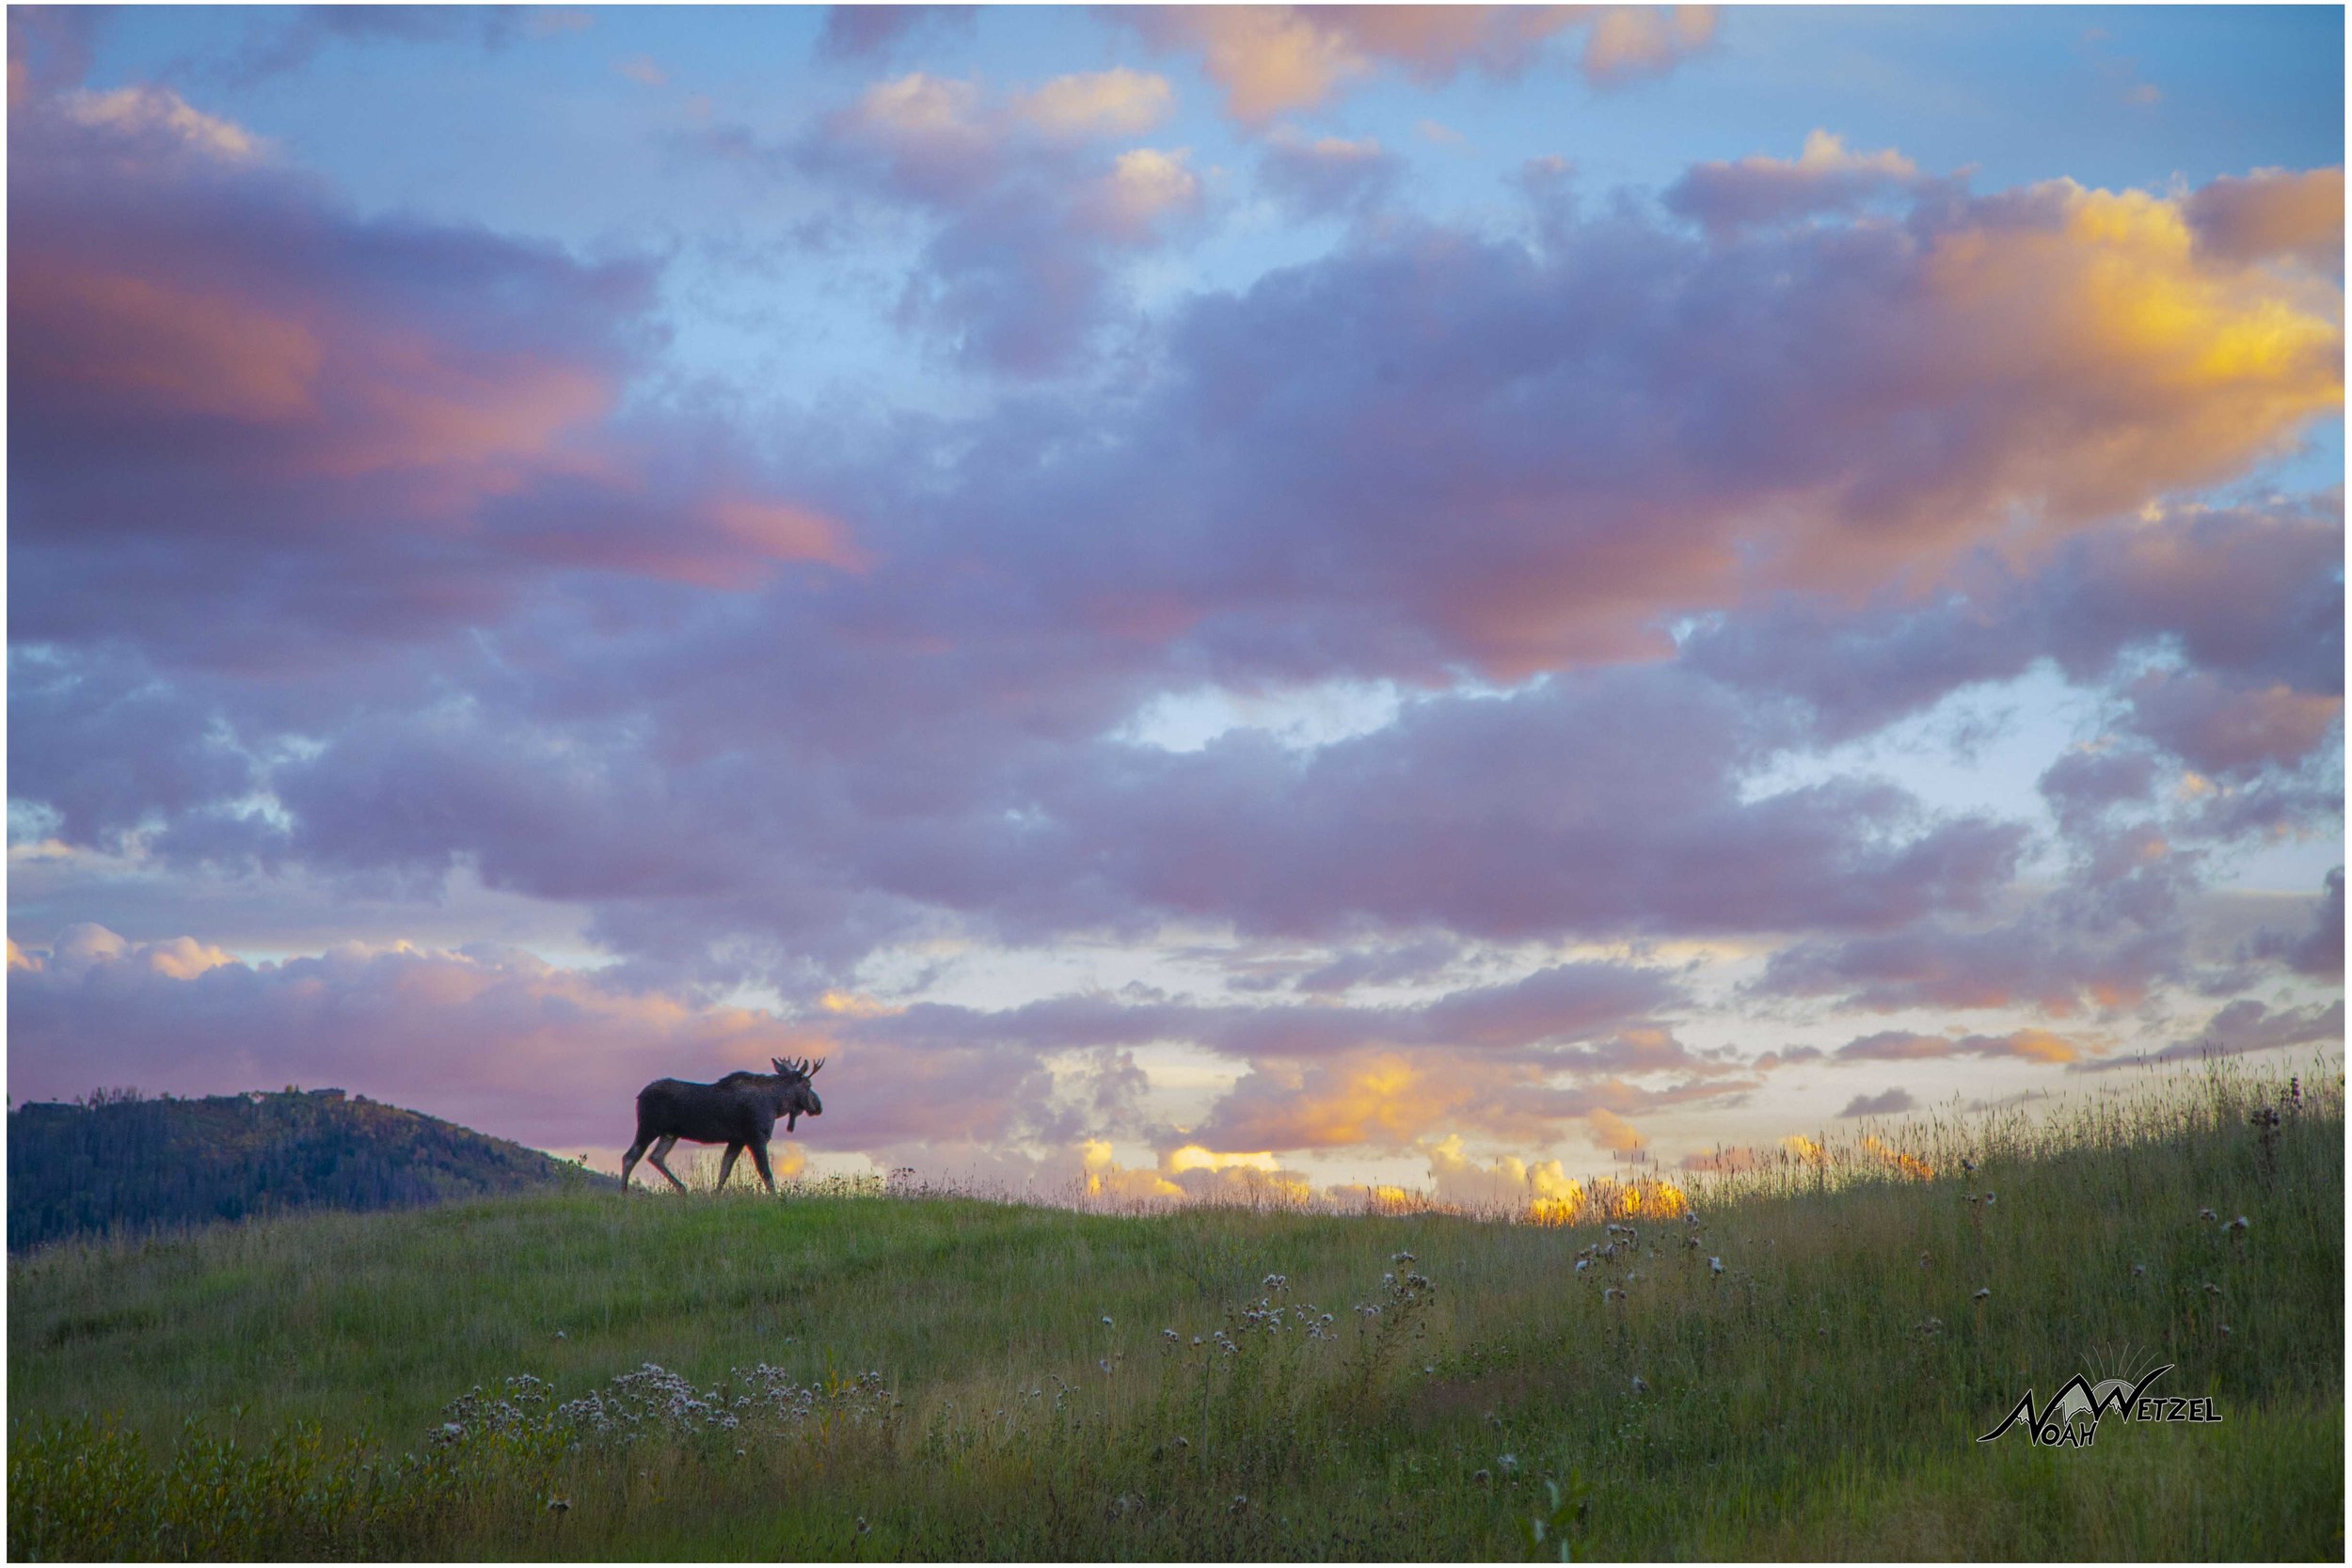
x,y
396,420
1271,61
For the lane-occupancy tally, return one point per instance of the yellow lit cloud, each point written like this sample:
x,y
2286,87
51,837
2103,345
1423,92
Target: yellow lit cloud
x,y
842,1003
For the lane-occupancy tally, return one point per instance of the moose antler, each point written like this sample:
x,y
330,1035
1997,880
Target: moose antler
x,y
811,1071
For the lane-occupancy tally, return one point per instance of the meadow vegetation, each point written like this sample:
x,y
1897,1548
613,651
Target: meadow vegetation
x,y
1799,1366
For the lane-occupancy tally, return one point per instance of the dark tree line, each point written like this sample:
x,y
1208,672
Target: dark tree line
x,y
115,1162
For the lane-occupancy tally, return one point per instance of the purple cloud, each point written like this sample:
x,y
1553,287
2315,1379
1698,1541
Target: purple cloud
x,y
2245,1025
2319,951
1315,177
1893,1101
379,552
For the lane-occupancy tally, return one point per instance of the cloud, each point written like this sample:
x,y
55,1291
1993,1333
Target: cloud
x,y
2253,594
2272,213
2085,782
1580,1016
1726,198
50,48
2245,1025
1494,1058
1691,484
1901,1045
1271,61
1144,186
498,1041
1032,224
1892,1103
1632,42
1506,1183
873,32
1323,176
351,547
1115,103
2228,730
140,113
1413,961
256,423
1393,1100
287,39
2319,952
2083,946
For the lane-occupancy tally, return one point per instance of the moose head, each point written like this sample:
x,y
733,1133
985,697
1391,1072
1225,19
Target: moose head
x,y
799,1098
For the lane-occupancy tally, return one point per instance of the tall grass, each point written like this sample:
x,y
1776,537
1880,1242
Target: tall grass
x,y
849,1373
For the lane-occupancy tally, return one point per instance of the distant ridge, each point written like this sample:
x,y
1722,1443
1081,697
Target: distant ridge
x,y
116,1163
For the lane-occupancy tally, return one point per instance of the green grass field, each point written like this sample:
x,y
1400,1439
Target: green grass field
x,y
284,1390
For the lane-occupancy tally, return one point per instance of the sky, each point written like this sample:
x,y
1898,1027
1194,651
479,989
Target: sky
x,y
1438,596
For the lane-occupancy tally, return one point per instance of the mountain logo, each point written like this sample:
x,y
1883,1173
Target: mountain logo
x,y
2071,1418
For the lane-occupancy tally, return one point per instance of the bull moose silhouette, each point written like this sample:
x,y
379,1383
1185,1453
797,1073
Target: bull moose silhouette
x,y
740,1111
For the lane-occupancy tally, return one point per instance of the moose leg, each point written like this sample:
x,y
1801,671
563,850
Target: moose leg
x,y
659,1163
628,1161
759,1158
726,1166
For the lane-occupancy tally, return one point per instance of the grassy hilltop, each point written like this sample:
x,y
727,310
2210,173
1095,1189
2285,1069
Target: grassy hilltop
x,y
857,1375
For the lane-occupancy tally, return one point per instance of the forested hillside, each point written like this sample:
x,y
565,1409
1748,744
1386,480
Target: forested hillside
x,y
119,1163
